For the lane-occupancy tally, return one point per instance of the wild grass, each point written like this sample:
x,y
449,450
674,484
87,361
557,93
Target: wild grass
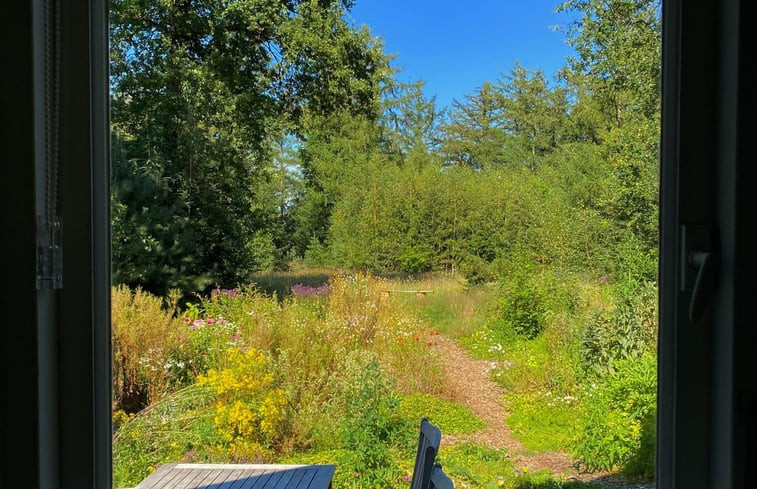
x,y
144,337
357,368
454,307
311,341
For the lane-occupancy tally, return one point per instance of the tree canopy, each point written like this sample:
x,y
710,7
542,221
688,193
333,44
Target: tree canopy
x,y
249,133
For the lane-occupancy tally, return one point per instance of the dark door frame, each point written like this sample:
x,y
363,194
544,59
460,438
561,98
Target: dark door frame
x,y
55,344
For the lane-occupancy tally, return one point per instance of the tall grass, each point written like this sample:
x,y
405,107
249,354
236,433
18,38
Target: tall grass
x,y
453,307
311,340
144,337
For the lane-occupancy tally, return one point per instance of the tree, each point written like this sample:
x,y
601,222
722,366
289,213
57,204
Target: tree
x,y
474,136
413,121
200,88
618,43
533,114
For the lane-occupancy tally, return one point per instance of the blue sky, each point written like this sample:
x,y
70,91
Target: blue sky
x,y
456,45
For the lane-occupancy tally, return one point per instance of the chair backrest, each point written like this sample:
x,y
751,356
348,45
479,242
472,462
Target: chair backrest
x,y
428,446
440,480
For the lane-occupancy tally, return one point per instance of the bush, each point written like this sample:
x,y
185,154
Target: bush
x,y
416,259
522,303
620,425
627,331
250,412
371,423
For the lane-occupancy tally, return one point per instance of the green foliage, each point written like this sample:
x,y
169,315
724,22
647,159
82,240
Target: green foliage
x,y
529,296
522,307
204,96
619,429
627,331
544,422
475,136
476,465
416,259
370,424
413,121
177,428
246,134
451,418
618,43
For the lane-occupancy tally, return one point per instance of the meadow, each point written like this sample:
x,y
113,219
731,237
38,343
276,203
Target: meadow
x,y
317,366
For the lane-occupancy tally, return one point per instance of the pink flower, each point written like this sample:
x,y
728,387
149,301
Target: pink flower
x,y
210,321
406,478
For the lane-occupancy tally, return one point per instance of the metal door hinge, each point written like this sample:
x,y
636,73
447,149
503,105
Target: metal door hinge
x,y
49,253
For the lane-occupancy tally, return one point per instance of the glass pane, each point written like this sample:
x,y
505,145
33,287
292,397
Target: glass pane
x,y
316,243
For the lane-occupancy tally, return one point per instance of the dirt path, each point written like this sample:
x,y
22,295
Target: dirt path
x,y
472,387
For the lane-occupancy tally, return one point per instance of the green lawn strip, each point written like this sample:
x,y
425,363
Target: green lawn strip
x,y
478,467
543,422
451,418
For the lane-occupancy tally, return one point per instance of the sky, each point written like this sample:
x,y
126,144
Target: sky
x,y
454,46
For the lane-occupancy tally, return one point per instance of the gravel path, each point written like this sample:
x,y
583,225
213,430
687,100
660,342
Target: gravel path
x,y
471,386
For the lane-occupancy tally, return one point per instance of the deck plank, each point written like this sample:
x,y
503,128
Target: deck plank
x,y
243,478
239,476
231,478
307,478
261,477
163,472
182,477
323,477
297,476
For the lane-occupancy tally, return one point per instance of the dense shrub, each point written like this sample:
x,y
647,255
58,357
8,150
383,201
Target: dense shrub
x,y
370,425
627,331
619,430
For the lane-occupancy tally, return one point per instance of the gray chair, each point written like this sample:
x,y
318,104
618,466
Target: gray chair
x,y
428,446
440,480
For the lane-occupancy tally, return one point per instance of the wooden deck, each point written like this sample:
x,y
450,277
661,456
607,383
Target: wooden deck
x,y
239,476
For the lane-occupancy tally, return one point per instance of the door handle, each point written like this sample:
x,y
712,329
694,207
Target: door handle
x,y
703,261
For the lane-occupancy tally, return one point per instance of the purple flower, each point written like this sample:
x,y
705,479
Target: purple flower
x,y
226,292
